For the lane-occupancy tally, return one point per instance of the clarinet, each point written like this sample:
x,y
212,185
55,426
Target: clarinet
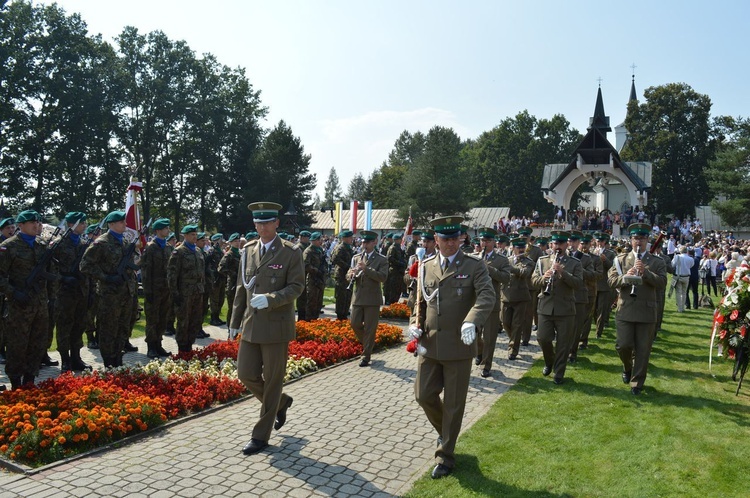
x,y
548,290
633,289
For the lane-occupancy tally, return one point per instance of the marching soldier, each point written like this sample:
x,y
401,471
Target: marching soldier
x,y
186,274
341,260
116,292
457,298
316,270
7,229
73,296
592,285
26,301
229,267
534,253
155,288
272,276
219,283
498,268
515,296
171,246
369,271
304,243
639,276
559,276
582,292
396,268
604,295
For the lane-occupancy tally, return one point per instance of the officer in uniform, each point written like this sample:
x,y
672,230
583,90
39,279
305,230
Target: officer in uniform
x,y
7,229
341,260
186,274
499,271
639,276
272,277
316,272
229,267
396,268
155,288
604,295
582,293
457,297
515,296
72,299
592,285
219,283
559,276
304,243
116,292
27,307
171,246
369,271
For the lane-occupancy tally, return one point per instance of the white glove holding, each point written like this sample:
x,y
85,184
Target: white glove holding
x,y
233,333
415,332
259,301
468,333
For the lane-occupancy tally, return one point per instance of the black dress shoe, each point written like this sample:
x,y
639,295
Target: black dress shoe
x,y
254,446
546,370
202,334
152,354
485,373
364,363
512,356
558,380
625,377
477,360
635,390
583,346
49,362
163,352
525,343
281,414
572,359
129,348
440,470
93,344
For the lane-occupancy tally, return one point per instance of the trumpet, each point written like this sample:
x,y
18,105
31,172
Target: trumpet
x,y
548,290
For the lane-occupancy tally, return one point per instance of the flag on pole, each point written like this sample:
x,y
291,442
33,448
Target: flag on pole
x,y
337,219
132,213
368,215
353,216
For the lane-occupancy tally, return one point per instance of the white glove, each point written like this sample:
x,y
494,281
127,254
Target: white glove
x,y
259,301
415,332
233,333
468,333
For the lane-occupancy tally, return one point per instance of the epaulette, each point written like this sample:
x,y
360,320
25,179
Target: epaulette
x,y
428,258
573,257
250,244
475,258
289,244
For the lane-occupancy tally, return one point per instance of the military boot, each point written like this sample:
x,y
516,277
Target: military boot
x,y
15,382
66,365
28,380
109,361
76,363
152,353
215,320
49,362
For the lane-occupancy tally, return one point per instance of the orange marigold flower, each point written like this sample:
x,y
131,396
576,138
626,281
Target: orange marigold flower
x,y
61,440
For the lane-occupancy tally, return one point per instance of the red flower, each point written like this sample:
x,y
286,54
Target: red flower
x,y
735,314
720,319
743,331
412,346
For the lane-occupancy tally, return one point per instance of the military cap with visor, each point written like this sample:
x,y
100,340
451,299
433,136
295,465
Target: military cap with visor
x,y
487,233
447,227
559,236
368,235
264,211
639,229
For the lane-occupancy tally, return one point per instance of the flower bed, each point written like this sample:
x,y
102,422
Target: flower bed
x,y
395,310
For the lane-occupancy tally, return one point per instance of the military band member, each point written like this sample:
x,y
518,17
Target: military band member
x,y
271,279
156,293
639,276
515,296
394,284
582,293
186,274
534,253
370,270
499,271
604,294
219,282
559,276
591,285
341,261
304,243
27,307
116,292
316,273
457,297
229,267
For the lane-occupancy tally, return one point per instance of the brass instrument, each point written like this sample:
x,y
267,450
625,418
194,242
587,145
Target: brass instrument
x,y
656,246
548,290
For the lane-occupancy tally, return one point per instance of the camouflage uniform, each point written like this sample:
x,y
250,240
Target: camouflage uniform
x,y
341,259
72,301
316,273
229,268
394,285
302,299
218,284
116,297
26,345
155,291
186,273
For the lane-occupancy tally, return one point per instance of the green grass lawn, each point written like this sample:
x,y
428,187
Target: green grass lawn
x,y
687,434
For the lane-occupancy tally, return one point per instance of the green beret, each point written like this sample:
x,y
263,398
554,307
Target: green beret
x,y
487,233
7,221
416,232
502,238
251,235
389,236
639,229
397,236
114,216
74,216
368,235
217,237
161,223
234,237
304,233
90,229
264,211
559,235
315,236
346,233
525,231
201,235
575,235
518,242
28,215
428,234
170,236
189,228
447,226
289,237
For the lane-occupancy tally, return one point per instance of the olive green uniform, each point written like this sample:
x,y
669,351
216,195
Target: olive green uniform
x,y
394,284
516,301
186,274
219,282
302,299
341,260
155,290
229,267
498,268
367,298
72,297
315,280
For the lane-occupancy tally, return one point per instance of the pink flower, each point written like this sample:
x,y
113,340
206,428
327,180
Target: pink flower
x,y
735,315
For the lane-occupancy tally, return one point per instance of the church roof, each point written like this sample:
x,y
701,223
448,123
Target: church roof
x,y
387,219
599,120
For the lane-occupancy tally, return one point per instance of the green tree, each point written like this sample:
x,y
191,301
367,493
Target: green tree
x,y
729,174
358,188
332,190
672,129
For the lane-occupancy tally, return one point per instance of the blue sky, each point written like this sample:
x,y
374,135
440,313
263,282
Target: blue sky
x,y
349,76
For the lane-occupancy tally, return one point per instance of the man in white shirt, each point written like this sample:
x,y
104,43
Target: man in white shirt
x,y
682,264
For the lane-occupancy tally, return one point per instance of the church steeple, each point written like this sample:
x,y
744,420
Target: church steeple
x,y
633,95
599,120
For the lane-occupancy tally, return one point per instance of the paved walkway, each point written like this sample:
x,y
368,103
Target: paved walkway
x,y
351,432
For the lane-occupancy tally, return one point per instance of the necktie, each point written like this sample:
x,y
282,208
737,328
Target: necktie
x,y
445,264
262,251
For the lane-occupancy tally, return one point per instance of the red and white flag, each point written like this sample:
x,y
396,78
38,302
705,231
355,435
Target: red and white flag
x,y
132,213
